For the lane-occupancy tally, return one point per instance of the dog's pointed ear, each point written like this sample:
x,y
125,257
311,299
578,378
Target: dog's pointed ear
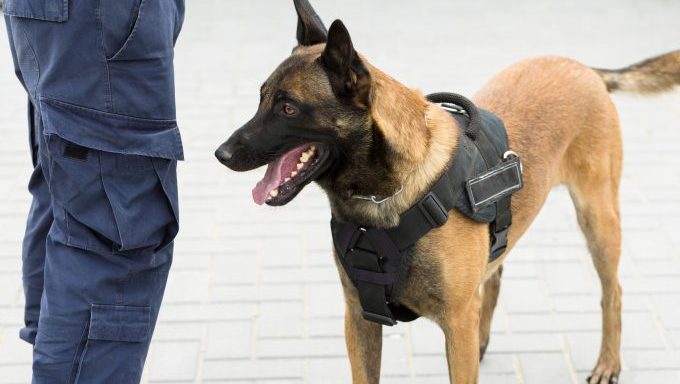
x,y
310,28
348,75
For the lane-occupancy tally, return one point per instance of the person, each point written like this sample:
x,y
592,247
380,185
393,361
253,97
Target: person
x,y
105,143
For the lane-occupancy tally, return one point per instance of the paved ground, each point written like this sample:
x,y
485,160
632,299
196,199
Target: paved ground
x,y
254,296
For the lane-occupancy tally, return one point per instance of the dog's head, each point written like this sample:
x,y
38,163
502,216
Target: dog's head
x,y
313,116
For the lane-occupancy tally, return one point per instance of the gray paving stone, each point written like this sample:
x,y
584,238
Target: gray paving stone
x,y
187,287
530,323
493,378
395,359
640,331
14,350
283,327
329,370
318,347
173,361
9,291
278,369
527,296
570,278
657,359
653,376
544,368
229,340
326,300
530,342
15,373
334,327
667,308
178,331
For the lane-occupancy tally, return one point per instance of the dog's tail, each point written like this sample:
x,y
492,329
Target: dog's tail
x,y
654,75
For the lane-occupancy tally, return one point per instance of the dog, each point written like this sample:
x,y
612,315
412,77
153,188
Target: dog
x,y
326,115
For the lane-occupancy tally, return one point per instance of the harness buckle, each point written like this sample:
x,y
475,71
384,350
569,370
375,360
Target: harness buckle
x,y
433,210
499,241
380,319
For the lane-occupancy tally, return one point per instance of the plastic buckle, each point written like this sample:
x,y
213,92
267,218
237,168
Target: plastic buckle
x,y
499,242
380,319
433,210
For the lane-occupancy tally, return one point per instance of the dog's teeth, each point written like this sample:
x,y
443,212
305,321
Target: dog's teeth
x,y
305,156
274,193
293,174
299,166
287,179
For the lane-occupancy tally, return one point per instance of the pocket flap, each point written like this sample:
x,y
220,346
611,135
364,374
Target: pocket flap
x,y
48,10
119,323
111,132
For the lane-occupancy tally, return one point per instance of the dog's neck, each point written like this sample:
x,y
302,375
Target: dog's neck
x,y
420,140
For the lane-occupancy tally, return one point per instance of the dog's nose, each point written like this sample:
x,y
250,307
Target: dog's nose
x,y
224,154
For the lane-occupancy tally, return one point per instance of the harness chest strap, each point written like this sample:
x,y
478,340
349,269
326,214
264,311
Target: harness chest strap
x,y
378,260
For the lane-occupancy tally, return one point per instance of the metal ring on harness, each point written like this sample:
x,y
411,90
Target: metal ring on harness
x,y
510,154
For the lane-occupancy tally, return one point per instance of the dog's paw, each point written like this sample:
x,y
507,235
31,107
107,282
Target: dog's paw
x,y
605,374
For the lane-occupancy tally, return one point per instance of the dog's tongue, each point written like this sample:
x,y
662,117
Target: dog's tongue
x,y
277,171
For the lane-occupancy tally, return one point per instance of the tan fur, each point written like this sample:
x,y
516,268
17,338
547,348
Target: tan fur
x,y
562,122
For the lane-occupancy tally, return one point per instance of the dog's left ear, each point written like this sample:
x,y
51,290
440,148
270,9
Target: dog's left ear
x,y
310,28
349,77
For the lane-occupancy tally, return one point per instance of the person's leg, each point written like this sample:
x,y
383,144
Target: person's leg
x,y
104,275
40,214
38,224
97,82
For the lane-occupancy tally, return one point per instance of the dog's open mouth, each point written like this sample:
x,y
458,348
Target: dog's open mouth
x,y
287,175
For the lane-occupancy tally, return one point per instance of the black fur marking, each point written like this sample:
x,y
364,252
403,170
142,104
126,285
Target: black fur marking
x,y
310,28
349,77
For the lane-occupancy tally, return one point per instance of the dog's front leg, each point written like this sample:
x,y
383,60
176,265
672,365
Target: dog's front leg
x,y
461,329
364,343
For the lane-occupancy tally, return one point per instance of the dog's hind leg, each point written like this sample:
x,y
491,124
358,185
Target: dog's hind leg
x,y
364,343
490,291
595,195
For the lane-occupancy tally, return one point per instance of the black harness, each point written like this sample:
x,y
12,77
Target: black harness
x,y
479,183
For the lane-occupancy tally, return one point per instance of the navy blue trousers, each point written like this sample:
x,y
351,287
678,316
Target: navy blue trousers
x,y
105,145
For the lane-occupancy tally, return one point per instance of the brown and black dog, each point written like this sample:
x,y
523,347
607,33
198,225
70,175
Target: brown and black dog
x,y
327,115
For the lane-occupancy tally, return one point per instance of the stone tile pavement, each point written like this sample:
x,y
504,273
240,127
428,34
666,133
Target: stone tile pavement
x,y
254,296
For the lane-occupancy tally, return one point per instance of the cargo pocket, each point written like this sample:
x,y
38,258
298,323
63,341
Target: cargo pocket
x,y
116,343
110,202
46,10
142,192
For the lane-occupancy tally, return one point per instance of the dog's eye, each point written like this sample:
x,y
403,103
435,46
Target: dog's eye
x,y
288,110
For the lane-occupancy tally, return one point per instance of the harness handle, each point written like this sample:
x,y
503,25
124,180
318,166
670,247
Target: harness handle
x,y
472,129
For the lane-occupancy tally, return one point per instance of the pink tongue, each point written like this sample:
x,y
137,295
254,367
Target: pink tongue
x,y
277,171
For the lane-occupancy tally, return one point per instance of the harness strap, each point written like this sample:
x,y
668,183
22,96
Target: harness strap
x,y
372,261
498,228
